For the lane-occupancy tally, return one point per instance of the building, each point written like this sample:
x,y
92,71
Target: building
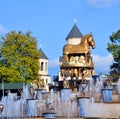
x,y
43,61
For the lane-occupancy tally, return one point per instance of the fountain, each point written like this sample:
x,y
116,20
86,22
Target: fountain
x,y
107,95
83,100
12,107
83,105
64,103
31,108
65,92
118,86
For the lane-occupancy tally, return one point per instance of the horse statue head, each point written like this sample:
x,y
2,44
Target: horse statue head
x,y
89,40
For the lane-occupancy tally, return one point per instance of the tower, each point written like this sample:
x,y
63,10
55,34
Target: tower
x,y
76,62
43,61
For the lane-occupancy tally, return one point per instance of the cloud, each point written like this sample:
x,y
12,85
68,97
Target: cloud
x,y
54,63
2,29
102,64
102,3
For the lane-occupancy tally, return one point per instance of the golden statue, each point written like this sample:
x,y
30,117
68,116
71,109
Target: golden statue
x,y
82,47
77,59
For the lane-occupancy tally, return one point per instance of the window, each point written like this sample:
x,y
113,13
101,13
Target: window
x,y
46,81
46,66
42,66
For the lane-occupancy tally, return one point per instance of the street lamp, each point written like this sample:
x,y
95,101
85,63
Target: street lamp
x,y
3,86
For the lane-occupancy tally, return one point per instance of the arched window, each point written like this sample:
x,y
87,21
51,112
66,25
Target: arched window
x,y
43,83
46,81
46,66
42,66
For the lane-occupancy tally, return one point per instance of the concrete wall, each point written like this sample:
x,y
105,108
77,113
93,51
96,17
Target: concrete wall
x,y
106,110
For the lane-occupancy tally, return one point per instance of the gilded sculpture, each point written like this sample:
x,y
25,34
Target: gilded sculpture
x,y
76,60
83,47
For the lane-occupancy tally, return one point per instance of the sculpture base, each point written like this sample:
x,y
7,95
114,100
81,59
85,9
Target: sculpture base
x,y
107,95
31,108
83,106
49,115
65,94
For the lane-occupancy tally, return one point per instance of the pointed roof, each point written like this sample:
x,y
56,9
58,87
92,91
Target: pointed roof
x,y
42,54
74,33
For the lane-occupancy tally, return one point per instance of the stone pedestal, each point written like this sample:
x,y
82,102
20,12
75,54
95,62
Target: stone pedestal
x,y
82,86
49,115
65,94
107,95
38,94
83,106
31,108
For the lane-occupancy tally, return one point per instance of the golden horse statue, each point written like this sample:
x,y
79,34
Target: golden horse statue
x,y
88,39
82,47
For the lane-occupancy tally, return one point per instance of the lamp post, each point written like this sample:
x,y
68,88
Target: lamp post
x,y
3,86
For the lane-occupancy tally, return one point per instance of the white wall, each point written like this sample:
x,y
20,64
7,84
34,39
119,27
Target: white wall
x,y
74,41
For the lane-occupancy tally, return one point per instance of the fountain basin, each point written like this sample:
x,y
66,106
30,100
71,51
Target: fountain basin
x,y
83,106
107,95
31,107
65,94
49,115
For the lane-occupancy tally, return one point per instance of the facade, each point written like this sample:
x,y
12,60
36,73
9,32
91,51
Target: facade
x,y
43,61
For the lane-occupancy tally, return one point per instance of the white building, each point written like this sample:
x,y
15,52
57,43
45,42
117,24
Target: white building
x,y
43,61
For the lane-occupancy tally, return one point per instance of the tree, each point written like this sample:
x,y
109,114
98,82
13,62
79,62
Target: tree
x,y
19,60
114,48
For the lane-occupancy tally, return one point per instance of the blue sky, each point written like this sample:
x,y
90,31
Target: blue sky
x,y
50,21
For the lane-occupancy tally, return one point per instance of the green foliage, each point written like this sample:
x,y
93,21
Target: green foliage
x,y
19,57
114,49
115,71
